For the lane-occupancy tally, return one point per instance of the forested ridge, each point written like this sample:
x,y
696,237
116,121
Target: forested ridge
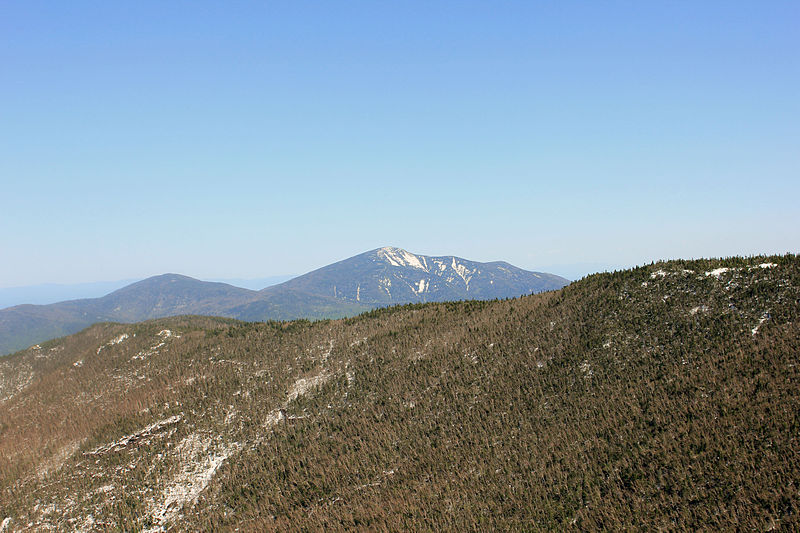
x,y
662,397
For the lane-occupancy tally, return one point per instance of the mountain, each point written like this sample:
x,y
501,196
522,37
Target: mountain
x,y
52,292
662,397
385,276
170,295
390,275
159,296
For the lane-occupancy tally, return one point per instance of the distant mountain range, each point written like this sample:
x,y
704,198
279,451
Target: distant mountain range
x,y
49,293
381,277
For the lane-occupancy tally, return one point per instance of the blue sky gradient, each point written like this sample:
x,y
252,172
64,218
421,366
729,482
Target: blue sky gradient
x,y
243,139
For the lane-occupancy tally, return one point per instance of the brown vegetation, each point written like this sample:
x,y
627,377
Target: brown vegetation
x,y
666,397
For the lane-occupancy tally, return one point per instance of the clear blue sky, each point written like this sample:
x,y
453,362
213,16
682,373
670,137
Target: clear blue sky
x,y
246,139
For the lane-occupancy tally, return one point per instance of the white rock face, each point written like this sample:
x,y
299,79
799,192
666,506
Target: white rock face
x,y
400,258
200,463
463,272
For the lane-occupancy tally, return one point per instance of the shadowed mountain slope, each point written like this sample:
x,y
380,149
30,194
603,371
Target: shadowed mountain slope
x,y
664,397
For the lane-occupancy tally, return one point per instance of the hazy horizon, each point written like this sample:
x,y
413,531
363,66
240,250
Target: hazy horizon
x,y
47,293
570,271
247,140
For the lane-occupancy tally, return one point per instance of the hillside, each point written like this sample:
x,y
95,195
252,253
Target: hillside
x,y
386,276
663,397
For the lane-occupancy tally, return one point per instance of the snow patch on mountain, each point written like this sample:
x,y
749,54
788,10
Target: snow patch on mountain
x,y
763,319
421,286
136,437
303,385
400,258
717,272
386,284
12,383
112,342
462,271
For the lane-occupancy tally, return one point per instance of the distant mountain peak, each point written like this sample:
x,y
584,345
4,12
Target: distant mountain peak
x,y
392,275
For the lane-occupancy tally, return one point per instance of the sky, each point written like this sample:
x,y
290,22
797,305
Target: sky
x,y
252,139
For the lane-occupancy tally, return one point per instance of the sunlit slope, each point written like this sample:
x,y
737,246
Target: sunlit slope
x,y
663,397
